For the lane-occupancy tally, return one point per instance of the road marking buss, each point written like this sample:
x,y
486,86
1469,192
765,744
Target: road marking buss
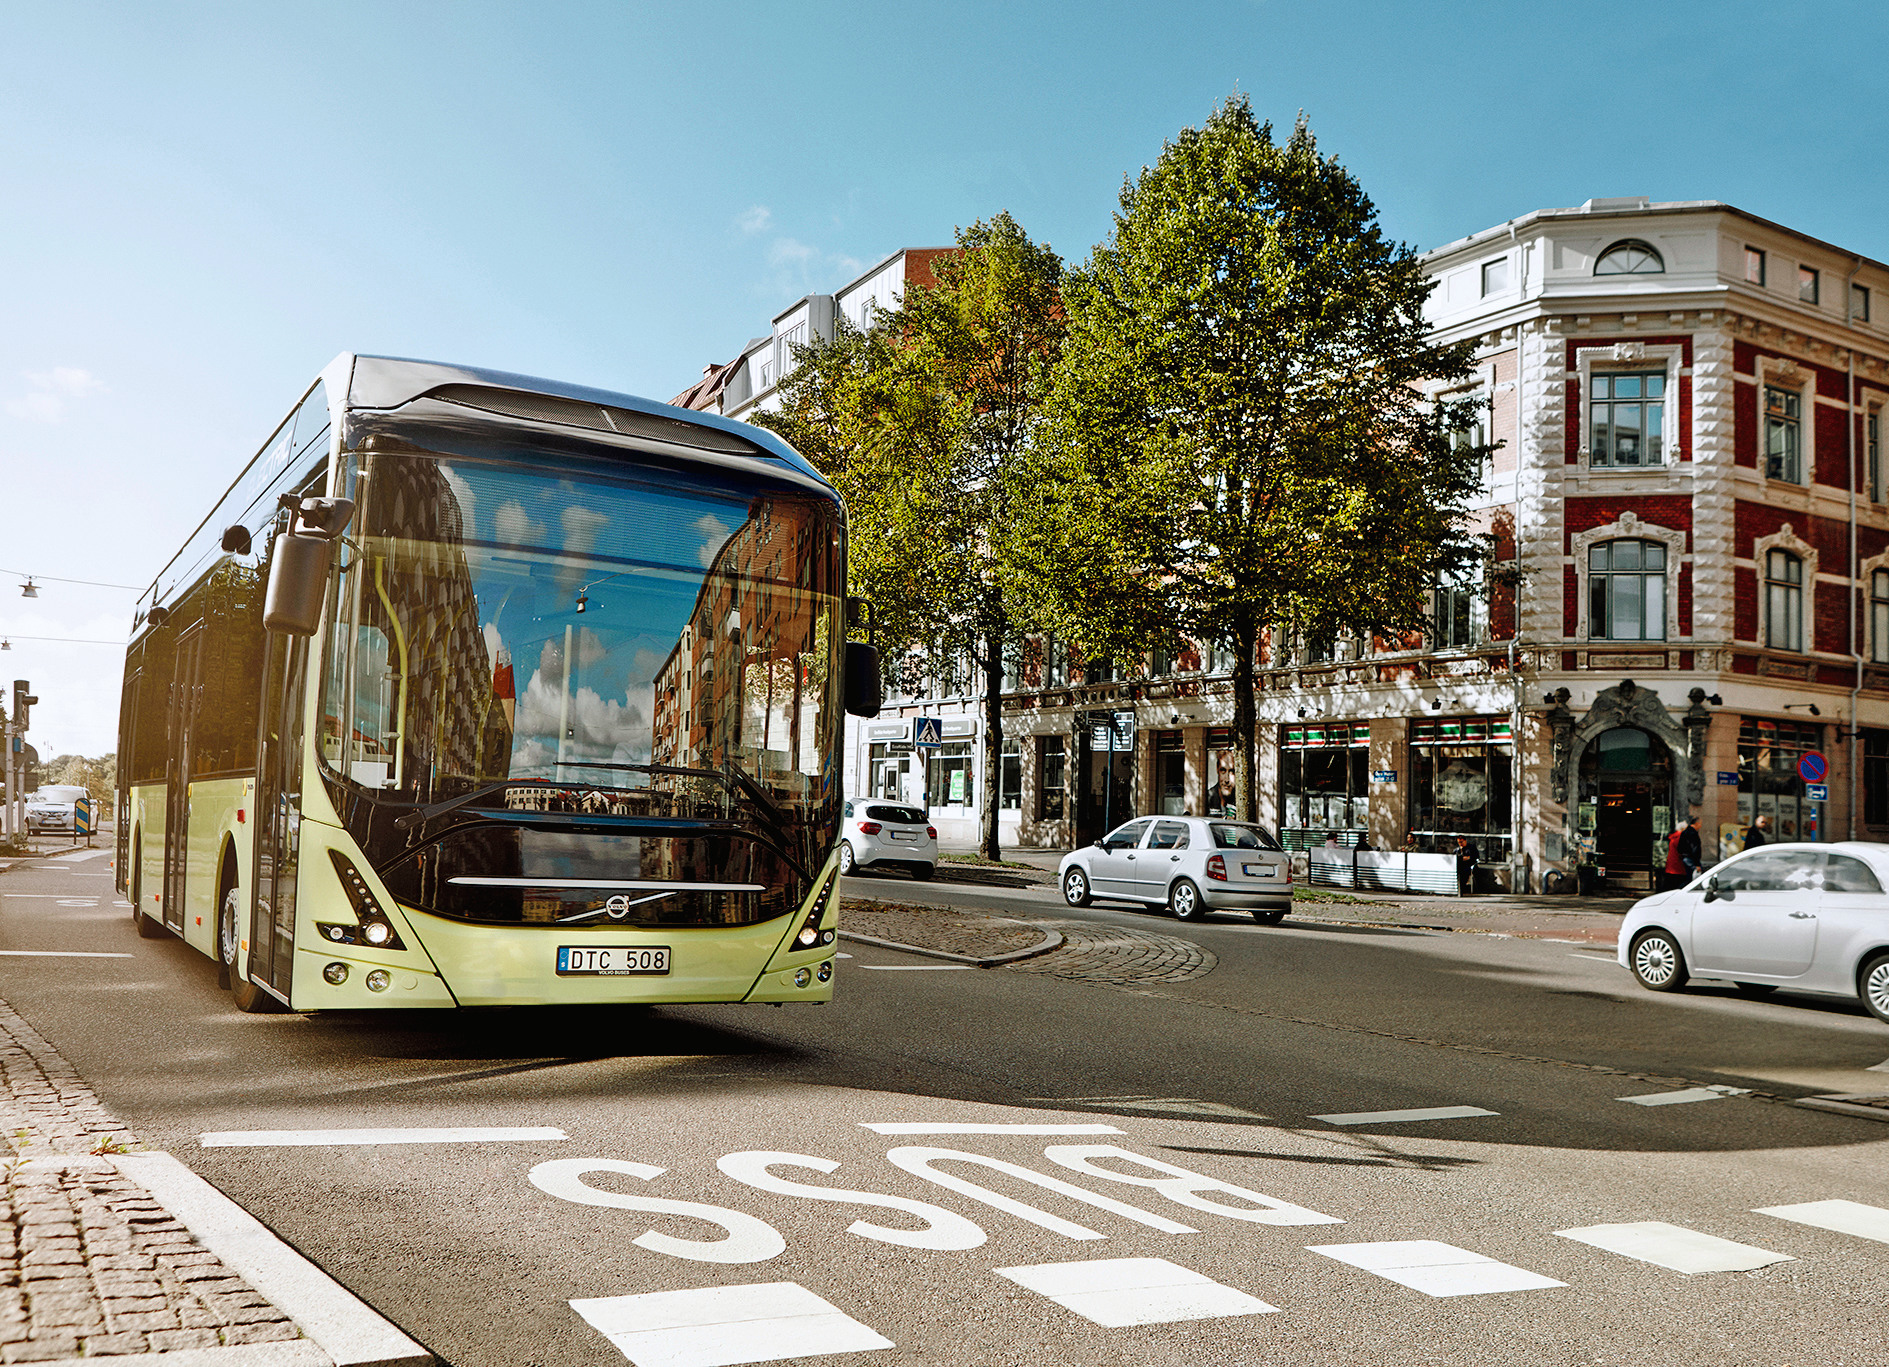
x,y
476,689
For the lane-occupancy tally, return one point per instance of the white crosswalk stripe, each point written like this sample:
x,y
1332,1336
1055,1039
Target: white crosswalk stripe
x,y
1119,1292
1436,1269
1844,1217
1685,1095
1401,1117
721,1326
1675,1246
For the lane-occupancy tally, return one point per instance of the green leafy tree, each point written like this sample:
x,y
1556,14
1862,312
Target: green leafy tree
x,y
922,421
1240,440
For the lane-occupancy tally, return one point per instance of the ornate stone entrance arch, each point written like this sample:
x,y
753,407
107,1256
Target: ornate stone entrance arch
x,y
1628,704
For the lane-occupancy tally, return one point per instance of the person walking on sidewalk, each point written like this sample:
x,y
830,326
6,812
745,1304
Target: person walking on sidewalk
x,y
1756,835
1465,866
1675,872
1691,849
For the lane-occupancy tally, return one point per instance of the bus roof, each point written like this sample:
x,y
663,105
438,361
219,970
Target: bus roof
x,y
389,381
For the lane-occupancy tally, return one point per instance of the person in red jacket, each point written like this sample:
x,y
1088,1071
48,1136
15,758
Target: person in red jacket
x,y
1675,867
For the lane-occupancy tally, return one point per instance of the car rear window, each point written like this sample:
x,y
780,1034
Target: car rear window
x,y
905,816
1230,837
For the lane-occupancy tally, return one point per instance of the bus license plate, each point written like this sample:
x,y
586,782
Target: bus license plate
x,y
615,961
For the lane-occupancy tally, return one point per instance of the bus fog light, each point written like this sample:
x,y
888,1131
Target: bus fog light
x,y
826,971
377,933
336,974
802,976
378,980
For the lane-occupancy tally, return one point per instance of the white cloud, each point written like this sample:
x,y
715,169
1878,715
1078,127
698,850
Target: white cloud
x,y
755,220
714,533
581,526
513,526
788,251
601,728
48,392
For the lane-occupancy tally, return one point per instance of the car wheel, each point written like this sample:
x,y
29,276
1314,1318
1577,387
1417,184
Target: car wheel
x,y
229,942
1657,962
1873,986
1184,900
1756,989
1076,887
848,863
923,872
1269,918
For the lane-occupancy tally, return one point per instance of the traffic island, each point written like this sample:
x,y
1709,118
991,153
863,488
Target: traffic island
x,y
944,933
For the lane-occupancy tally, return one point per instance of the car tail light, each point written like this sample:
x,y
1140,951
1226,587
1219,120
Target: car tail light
x,y
1217,868
869,828
932,831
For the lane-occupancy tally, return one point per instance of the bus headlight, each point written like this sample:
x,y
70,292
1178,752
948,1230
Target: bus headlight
x,y
374,929
810,935
336,974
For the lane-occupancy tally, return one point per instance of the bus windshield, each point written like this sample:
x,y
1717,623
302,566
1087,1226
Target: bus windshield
x,y
563,630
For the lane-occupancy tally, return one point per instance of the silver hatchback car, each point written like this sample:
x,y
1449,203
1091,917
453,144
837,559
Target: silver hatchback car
x,y
1189,864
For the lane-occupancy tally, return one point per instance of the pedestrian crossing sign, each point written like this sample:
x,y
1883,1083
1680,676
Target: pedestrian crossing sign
x,y
928,731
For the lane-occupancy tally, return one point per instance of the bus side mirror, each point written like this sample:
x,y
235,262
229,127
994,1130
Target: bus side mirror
x,y
865,691
236,539
299,562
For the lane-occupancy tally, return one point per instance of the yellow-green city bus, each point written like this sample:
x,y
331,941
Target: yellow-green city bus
x,y
476,690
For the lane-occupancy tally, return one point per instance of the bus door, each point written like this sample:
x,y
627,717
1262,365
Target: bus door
x,y
180,729
278,814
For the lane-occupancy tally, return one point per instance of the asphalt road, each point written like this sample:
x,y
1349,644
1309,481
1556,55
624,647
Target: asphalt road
x,y
1221,1075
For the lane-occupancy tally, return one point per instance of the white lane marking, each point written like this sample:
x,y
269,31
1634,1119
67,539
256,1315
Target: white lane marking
x,y
1398,1117
1845,1217
59,954
1168,1105
1680,1098
745,1239
1119,1292
1183,1186
944,1229
1597,958
78,901
1882,1067
1675,1246
77,855
1436,1269
719,1326
963,1127
36,896
343,1327
842,956
258,1139
918,1158
918,968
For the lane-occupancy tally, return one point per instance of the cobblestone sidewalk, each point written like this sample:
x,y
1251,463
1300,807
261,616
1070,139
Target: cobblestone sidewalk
x,y
90,1264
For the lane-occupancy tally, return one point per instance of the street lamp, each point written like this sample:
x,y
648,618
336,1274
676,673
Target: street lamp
x,y
27,590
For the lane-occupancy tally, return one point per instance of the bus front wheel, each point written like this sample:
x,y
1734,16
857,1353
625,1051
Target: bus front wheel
x,y
247,996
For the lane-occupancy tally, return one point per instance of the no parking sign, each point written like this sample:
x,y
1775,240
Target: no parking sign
x,y
1812,767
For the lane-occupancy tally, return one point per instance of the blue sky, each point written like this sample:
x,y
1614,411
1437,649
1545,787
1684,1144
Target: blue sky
x,y
203,203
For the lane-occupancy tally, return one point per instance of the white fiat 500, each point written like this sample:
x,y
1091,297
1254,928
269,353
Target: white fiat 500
x,y
876,835
1813,918
1189,864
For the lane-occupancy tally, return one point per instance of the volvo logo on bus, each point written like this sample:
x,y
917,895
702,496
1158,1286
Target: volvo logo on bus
x,y
618,907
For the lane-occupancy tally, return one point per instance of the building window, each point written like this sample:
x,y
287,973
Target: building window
x,y
1323,773
1626,419
1754,266
1808,282
1631,257
1050,773
1783,601
1460,770
1170,773
1875,777
1010,790
1872,449
1783,435
1495,276
1320,650
1626,591
951,774
1859,303
1768,781
1879,616
1458,614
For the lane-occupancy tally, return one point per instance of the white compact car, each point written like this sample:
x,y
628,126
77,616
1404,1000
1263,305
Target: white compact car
x,y
1813,918
1189,864
876,835
51,808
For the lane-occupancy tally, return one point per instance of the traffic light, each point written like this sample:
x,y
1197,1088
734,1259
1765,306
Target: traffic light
x,y
23,700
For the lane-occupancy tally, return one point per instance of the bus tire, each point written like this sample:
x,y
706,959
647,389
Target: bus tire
x,y
247,996
147,928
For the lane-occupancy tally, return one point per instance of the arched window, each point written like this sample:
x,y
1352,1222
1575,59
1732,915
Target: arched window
x,y
1630,257
1783,601
1879,616
1626,591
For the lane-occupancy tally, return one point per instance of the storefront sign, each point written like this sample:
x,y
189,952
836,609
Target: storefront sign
x,y
1728,778
1817,792
1383,776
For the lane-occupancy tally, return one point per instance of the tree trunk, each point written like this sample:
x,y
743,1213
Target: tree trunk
x,y
993,736
1245,722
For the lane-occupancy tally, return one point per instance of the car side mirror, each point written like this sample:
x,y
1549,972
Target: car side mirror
x,y
1711,888
1101,844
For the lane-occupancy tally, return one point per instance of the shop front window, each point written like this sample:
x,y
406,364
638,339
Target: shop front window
x,y
951,771
1768,780
1052,771
1170,773
1460,772
1010,790
1323,781
1223,760
893,772
1875,777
